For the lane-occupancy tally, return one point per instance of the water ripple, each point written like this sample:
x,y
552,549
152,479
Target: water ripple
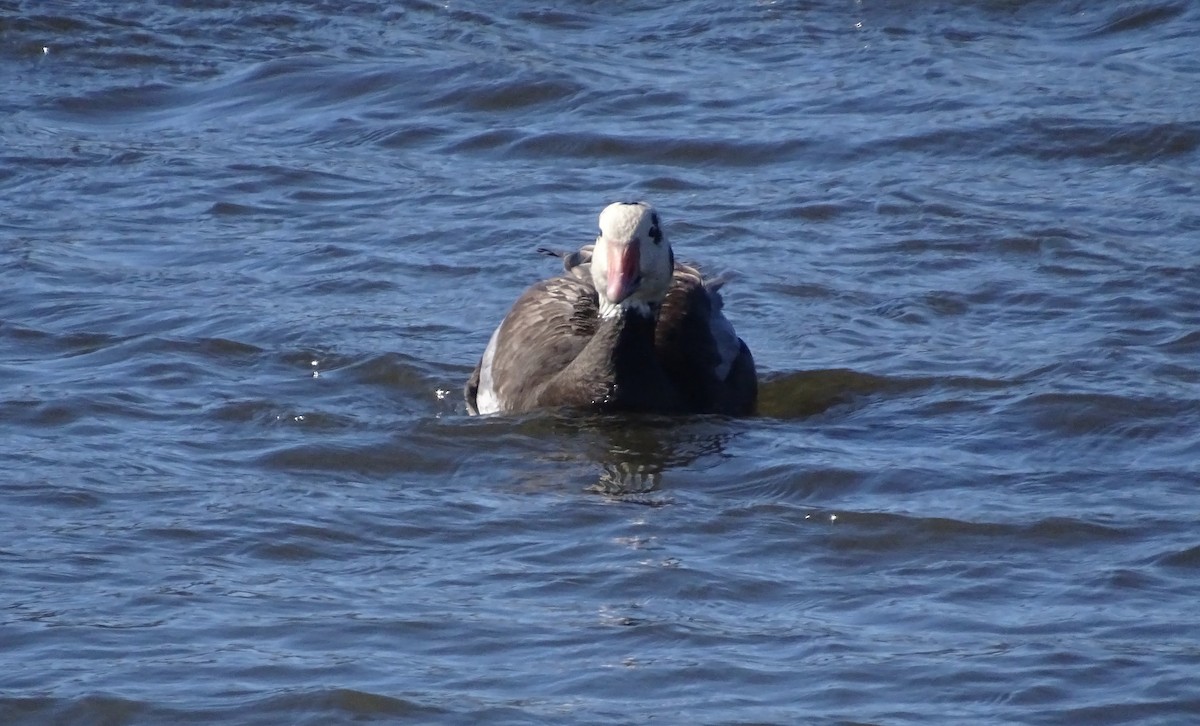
x,y
251,252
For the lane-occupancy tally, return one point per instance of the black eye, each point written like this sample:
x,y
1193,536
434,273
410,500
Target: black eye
x,y
656,234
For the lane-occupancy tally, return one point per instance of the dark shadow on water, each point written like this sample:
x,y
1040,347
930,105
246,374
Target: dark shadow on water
x,y
632,453
631,456
807,393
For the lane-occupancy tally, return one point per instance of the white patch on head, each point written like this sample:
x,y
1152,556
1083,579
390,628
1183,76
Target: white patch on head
x,y
621,224
623,221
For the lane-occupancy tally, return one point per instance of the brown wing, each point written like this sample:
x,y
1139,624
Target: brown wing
x,y
544,331
696,344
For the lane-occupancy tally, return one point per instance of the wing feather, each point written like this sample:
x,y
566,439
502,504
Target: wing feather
x,y
546,328
699,348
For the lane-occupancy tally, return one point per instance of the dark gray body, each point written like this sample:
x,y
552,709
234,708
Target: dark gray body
x,y
553,350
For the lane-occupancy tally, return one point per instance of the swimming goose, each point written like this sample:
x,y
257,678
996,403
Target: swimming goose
x,y
626,328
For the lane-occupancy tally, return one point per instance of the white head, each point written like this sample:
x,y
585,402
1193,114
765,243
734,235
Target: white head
x,y
632,262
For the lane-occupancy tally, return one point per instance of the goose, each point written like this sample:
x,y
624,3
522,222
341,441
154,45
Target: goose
x,y
625,328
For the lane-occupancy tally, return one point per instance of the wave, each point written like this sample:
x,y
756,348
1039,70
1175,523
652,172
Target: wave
x,y
308,706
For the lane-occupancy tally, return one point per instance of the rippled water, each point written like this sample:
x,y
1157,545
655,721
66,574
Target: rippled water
x,y
251,251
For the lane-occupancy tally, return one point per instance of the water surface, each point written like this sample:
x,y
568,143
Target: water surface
x,y
250,253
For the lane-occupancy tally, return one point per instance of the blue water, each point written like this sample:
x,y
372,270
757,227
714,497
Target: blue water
x,y
251,252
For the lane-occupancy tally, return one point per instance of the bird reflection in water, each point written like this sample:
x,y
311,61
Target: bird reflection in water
x,y
633,454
